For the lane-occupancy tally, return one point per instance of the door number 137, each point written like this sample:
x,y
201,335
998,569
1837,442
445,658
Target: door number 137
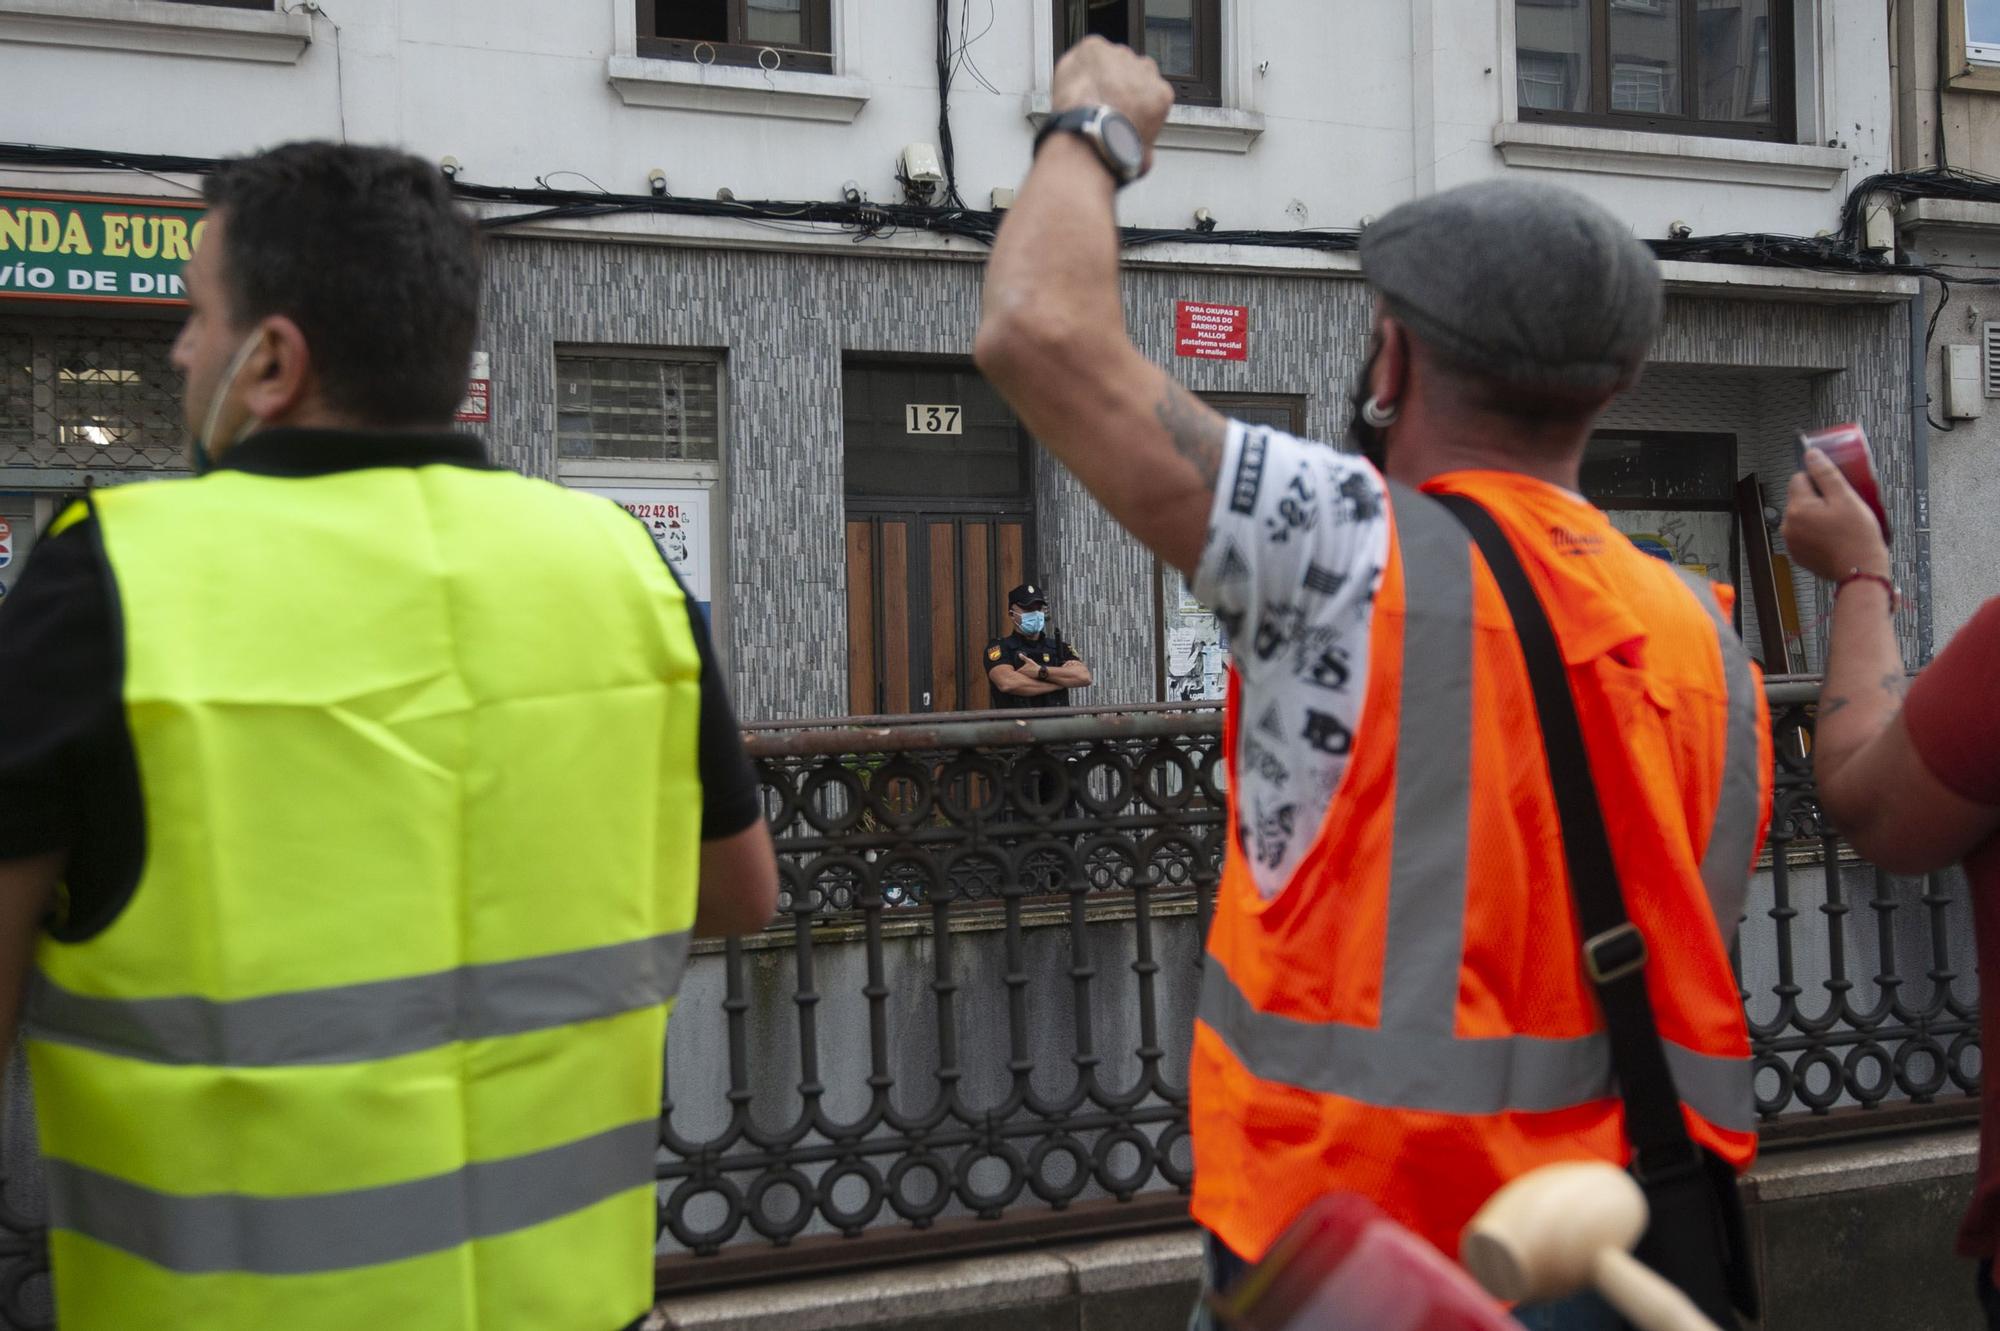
x,y
919,418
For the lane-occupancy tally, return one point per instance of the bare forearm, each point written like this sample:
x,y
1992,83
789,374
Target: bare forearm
x,y
1053,277
1864,689
1053,341
1070,675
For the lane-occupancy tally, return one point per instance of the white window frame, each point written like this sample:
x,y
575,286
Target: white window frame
x,y
782,94
1229,128
666,473
1802,165
155,27
1976,52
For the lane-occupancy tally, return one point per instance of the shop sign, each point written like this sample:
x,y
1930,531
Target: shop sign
x,y
96,248
678,519
1211,332
6,542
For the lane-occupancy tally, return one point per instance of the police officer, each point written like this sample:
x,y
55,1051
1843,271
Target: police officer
x,y
356,842
1032,666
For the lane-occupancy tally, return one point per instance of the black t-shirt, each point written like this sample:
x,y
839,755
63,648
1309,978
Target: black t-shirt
x,y
68,777
1048,649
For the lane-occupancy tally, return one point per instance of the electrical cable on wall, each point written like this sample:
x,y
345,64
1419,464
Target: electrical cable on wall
x,y
1839,253
947,156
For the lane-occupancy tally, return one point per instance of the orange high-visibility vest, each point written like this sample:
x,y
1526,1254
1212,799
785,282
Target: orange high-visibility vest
x,y
1410,1018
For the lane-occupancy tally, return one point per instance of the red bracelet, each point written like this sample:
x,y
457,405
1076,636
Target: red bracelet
x,y
1857,575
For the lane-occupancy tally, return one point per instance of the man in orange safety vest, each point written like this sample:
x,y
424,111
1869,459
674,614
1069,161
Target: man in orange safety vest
x,y
1397,998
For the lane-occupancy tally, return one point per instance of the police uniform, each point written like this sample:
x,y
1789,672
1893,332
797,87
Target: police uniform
x,y
1047,649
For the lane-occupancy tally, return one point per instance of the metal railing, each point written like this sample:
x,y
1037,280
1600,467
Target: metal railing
x,y
1859,986
970,1024
1046,867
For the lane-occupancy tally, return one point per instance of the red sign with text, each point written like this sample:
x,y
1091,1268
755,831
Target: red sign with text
x,y
1211,332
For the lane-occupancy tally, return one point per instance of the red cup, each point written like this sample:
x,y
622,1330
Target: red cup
x,y
1345,1266
1846,447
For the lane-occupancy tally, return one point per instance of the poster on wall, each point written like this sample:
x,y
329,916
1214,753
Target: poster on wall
x,y
1697,541
1197,660
678,520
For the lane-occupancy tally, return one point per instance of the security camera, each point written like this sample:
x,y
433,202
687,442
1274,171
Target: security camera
x,y
450,166
656,181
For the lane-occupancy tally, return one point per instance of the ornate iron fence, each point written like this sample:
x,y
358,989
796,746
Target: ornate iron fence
x,y
976,1003
1105,831
1850,1006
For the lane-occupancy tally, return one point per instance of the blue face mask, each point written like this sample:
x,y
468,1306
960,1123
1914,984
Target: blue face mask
x,y
1033,621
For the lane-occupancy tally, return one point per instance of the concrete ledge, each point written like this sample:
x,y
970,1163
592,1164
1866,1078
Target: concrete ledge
x,y
1107,1286
1625,152
685,85
1822,1171
275,36
1860,1236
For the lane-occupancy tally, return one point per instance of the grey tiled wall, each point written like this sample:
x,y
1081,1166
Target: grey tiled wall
x,y
785,321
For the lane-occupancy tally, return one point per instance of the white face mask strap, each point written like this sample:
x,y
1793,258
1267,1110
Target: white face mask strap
x,y
221,394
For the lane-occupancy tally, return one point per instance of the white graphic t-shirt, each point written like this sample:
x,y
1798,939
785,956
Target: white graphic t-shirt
x,y
1297,542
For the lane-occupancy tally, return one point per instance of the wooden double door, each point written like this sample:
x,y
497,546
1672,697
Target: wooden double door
x,y
940,523
925,591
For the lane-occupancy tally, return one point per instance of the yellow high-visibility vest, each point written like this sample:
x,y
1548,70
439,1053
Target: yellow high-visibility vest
x,y
378,1040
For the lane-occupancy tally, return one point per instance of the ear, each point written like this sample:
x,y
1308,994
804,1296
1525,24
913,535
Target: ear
x,y
278,379
1391,373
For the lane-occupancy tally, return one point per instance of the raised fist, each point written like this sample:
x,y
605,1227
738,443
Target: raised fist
x,y
1096,72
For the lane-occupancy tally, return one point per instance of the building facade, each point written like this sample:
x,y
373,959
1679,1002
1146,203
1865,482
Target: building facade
x,y
792,403
1947,75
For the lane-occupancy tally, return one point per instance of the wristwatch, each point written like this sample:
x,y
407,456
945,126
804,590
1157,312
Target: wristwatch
x,y
1116,139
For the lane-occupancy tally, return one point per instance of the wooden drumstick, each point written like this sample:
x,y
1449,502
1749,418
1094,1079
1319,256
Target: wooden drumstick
x,y
1564,1227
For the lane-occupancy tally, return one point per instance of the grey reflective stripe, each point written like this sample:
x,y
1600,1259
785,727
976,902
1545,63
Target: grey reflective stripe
x,y
276,1236
362,1022
1713,1085
1427,859
1732,836
1449,1074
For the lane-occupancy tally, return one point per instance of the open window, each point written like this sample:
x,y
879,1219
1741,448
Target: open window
x,y
1183,36
1715,67
768,34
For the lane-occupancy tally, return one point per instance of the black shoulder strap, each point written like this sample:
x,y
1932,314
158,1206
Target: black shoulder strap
x,y
1614,952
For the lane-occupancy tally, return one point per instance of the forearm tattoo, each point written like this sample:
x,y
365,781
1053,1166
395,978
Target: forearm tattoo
x,y
1896,686
1198,434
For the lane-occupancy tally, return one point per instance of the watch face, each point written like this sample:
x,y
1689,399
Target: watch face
x,y
1123,142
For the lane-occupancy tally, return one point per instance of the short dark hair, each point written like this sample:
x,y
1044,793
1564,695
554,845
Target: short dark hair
x,y
367,252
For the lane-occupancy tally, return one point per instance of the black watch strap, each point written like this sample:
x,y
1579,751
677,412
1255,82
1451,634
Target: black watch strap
x,y
1077,120
1063,122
